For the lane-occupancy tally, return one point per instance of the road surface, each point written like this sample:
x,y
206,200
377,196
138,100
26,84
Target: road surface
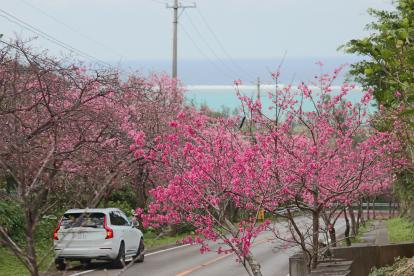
x,y
187,260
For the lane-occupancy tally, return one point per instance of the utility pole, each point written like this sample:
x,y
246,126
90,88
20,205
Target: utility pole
x,y
175,8
258,87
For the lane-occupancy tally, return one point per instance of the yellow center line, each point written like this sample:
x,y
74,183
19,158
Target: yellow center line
x,y
212,261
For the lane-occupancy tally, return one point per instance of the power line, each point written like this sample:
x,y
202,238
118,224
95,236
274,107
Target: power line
x,y
204,54
70,27
13,19
159,2
235,64
211,48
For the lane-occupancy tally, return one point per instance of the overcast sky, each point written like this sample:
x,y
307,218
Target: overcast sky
x,y
142,29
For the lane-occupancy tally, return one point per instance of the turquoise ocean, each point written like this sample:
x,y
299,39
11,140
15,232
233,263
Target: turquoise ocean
x,y
217,97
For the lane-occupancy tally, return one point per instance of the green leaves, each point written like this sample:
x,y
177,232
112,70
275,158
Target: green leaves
x,y
389,53
407,112
368,71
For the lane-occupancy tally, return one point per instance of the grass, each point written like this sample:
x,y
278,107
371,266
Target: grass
x,y
151,240
400,229
10,264
363,228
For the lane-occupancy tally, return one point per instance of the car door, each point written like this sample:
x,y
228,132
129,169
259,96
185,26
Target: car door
x,y
117,224
131,239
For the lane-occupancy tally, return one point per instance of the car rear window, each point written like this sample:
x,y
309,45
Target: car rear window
x,y
71,220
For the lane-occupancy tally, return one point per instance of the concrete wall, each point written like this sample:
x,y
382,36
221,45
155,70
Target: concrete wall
x,y
365,257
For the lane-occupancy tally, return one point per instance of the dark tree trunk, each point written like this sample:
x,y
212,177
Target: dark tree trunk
x,y
31,250
347,228
373,209
390,209
360,218
332,234
315,238
141,189
353,222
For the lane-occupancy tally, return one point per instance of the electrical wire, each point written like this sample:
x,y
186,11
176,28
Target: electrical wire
x,y
235,64
204,54
160,2
13,19
224,64
71,28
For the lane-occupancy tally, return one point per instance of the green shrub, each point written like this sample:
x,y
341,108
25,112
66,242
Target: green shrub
x,y
401,267
122,205
12,219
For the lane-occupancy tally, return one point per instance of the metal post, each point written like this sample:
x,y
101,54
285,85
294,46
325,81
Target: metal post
x,y
175,8
175,23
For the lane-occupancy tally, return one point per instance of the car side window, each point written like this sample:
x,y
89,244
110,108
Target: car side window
x,y
118,219
128,223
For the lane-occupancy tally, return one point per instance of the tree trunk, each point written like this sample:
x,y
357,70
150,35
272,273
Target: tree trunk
x,y
368,214
353,222
373,208
31,250
331,229
253,264
347,228
394,208
360,218
315,238
253,267
332,234
140,187
390,209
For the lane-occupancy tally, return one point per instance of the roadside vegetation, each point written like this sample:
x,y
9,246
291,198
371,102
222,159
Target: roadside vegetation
x,y
404,266
400,229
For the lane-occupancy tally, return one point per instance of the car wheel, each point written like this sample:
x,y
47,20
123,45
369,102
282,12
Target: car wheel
x,y
139,257
85,263
119,262
60,264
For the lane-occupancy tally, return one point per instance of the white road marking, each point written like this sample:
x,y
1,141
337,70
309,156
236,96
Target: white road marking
x,y
83,272
146,255
165,250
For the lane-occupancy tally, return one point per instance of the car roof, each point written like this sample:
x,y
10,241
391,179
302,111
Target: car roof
x,y
91,210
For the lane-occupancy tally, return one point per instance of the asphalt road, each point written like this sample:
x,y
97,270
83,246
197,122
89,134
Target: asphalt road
x,y
187,260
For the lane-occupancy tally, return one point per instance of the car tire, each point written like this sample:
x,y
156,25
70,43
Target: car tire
x,y
60,264
139,257
119,262
85,263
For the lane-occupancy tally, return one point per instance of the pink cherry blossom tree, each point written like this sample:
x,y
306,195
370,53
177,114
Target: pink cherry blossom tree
x,y
51,113
205,162
322,152
67,131
306,158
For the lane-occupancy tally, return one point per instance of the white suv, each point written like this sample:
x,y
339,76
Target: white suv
x,y
101,234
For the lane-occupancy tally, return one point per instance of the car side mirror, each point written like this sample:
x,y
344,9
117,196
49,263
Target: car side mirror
x,y
135,223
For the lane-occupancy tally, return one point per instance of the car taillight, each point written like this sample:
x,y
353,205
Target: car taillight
x,y
55,233
109,231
